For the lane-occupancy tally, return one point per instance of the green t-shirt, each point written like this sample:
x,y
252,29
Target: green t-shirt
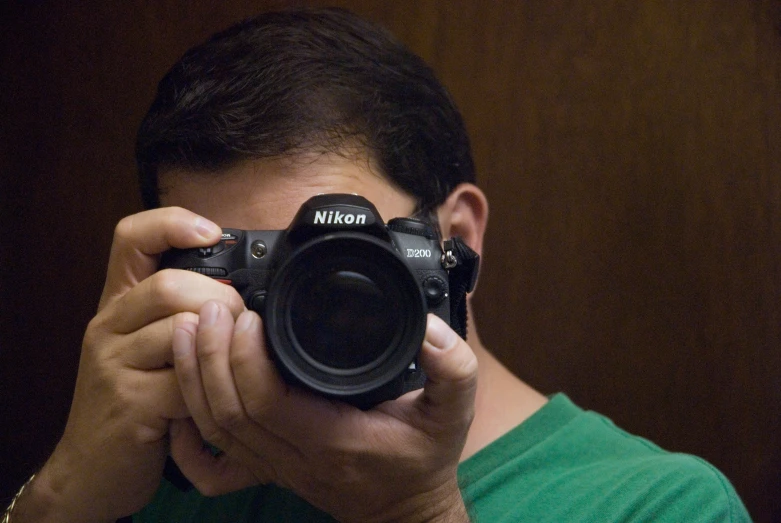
x,y
562,464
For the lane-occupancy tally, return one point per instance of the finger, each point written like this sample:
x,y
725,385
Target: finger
x,y
211,474
285,412
213,346
257,380
451,374
213,425
139,238
189,378
149,348
166,293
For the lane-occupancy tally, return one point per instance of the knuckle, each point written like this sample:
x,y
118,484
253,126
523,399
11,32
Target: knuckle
x,y
240,358
177,221
466,386
258,409
144,435
99,341
186,379
164,285
232,298
124,228
263,406
462,364
94,333
230,418
173,213
207,487
467,370
209,353
260,406
216,437
185,317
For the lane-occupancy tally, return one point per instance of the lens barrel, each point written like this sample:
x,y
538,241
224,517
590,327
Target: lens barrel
x,y
345,316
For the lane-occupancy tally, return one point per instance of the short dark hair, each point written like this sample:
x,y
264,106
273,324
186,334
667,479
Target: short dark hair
x,y
306,80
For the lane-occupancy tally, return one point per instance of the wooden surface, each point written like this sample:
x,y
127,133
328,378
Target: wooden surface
x,y
630,151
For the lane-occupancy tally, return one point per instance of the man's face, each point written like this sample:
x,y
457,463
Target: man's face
x,y
266,194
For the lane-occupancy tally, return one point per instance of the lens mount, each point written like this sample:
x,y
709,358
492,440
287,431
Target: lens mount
x,y
344,315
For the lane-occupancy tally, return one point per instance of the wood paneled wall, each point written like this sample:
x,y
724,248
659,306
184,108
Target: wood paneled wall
x,y
630,151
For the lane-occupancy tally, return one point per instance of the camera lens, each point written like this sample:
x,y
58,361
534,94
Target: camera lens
x,y
344,319
345,315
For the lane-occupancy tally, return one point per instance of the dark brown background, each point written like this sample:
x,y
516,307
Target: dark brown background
x,y
630,150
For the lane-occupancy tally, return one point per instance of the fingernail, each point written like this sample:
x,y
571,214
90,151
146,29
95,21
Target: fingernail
x,y
209,313
182,342
439,334
206,228
245,322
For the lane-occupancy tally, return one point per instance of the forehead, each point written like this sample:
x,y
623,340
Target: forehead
x,y
265,194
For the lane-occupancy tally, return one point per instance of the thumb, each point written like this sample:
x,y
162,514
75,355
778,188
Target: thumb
x,y
140,238
451,374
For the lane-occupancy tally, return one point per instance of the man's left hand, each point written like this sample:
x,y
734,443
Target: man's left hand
x,y
395,462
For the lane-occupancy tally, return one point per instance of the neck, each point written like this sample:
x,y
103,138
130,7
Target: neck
x,y
502,402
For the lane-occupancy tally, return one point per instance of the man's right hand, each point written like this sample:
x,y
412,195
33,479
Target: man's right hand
x,y
109,460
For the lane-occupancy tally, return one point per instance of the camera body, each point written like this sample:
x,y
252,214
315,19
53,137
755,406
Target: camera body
x,y
343,296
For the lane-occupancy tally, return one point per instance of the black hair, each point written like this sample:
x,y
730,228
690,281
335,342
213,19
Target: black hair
x,y
306,80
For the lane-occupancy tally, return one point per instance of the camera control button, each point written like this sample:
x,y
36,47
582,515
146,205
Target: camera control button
x,y
205,252
258,302
258,249
434,289
213,272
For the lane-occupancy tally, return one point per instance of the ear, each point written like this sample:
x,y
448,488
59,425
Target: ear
x,y
465,214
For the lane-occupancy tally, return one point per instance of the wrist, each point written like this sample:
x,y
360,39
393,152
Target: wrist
x,y
446,506
441,505
15,500
43,500
33,502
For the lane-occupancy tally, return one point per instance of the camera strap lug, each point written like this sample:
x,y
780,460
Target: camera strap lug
x,y
448,257
462,265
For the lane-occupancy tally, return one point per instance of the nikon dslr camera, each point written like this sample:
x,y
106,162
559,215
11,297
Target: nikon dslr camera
x,y
343,296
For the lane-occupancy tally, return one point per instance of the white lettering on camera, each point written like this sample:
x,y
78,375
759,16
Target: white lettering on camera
x,y
418,253
339,218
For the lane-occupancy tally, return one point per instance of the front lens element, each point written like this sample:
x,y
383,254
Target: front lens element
x,y
344,319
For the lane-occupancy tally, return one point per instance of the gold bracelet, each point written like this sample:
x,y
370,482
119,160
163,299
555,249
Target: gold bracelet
x,y
7,513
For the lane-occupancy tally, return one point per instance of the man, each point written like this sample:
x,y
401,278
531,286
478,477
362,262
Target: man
x,y
243,130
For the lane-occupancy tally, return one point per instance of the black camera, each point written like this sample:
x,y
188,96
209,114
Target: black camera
x,y
343,296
